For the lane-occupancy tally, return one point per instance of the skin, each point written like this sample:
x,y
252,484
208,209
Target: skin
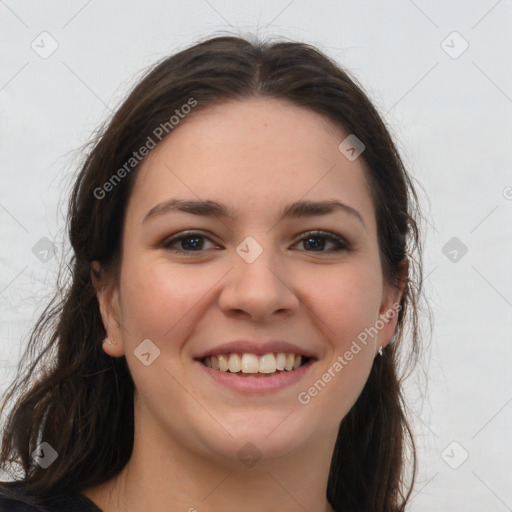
x,y
254,156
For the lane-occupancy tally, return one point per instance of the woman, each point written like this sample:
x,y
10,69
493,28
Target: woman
x,y
243,233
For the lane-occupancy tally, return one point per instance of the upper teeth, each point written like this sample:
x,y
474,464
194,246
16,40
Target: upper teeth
x,y
251,363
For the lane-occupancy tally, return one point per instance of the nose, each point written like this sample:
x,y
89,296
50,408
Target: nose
x,y
259,290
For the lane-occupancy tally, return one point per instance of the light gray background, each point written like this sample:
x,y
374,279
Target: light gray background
x,y
451,118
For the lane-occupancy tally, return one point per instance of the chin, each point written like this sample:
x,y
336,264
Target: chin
x,y
264,435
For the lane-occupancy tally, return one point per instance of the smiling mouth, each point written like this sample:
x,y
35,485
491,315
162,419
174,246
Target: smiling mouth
x,y
251,365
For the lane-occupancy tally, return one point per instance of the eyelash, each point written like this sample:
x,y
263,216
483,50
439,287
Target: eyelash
x,y
340,244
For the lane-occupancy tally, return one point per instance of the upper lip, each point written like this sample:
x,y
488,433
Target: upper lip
x,y
258,348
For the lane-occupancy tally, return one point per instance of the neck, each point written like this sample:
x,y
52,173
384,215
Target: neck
x,y
179,479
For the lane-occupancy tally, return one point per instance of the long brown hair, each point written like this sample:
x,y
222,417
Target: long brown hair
x,y
78,399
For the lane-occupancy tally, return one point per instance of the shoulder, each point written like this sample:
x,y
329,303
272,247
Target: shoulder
x,y
14,500
18,504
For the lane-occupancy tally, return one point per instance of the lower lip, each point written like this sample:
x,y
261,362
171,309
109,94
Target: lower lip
x,y
250,384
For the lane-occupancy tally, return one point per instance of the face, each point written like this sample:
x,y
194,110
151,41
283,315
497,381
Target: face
x,y
306,282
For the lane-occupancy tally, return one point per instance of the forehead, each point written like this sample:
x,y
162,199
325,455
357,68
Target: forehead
x,y
253,155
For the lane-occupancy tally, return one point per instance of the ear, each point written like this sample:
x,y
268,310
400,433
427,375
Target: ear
x,y
107,294
390,304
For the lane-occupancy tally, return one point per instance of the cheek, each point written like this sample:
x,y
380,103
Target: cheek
x,y
347,303
348,300
165,301
160,304
160,300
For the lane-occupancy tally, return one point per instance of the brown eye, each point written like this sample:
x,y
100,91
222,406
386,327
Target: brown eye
x,y
316,240
187,242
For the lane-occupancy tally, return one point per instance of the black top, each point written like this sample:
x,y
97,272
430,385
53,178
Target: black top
x,y
72,501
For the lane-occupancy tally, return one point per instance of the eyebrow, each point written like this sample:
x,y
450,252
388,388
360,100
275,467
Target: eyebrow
x,y
215,209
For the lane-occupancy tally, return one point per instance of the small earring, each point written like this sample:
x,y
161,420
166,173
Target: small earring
x,y
380,351
108,341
